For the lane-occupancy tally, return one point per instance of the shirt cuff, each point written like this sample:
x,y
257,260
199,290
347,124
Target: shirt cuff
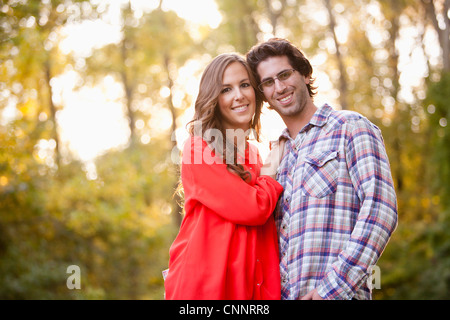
x,y
332,287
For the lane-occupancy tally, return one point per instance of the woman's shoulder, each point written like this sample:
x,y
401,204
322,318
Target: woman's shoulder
x,y
194,143
253,151
253,148
194,152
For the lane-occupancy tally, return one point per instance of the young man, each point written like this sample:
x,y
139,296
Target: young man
x,y
339,207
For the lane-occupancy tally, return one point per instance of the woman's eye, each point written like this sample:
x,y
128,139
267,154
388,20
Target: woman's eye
x,y
225,90
246,85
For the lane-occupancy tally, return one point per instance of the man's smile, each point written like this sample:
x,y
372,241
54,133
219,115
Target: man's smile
x,y
286,99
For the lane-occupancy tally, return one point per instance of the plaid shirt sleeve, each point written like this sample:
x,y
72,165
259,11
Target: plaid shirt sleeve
x,y
370,175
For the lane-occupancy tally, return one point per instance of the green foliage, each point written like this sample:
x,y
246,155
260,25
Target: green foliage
x,y
438,98
417,260
115,228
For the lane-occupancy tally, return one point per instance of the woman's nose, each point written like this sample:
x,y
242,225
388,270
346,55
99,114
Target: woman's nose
x,y
238,95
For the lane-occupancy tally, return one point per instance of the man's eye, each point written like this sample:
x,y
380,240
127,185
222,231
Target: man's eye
x,y
284,75
268,83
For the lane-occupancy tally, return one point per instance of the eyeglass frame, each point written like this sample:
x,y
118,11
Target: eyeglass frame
x,y
275,78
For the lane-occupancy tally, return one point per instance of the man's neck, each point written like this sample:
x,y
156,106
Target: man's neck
x,y
296,123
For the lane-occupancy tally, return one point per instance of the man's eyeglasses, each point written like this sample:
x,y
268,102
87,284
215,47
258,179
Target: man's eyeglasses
x,y
282,76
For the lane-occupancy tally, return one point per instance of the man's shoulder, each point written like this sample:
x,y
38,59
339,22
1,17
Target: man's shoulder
x,y
350,119
346,116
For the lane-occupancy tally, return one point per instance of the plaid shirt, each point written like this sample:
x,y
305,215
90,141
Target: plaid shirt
x,y
338,209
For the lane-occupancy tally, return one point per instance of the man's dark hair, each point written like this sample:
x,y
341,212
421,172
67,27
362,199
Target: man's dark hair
x,y
277,47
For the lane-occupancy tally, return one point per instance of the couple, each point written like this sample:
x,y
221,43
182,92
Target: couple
x,y
307,224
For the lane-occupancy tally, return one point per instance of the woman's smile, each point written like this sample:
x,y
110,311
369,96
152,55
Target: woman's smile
x,y
240,109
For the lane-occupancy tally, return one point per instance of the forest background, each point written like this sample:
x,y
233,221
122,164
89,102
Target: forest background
x,y
90,130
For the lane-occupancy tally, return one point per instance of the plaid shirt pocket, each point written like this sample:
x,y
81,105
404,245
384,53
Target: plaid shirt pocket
x,y
321,173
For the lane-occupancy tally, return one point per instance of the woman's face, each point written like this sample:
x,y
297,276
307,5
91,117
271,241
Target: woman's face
x,y
237,101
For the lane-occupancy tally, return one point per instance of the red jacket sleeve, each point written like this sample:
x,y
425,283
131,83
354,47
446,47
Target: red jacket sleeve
x,y
206,180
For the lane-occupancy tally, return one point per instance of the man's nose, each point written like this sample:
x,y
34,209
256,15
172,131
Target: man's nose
x,y
279,85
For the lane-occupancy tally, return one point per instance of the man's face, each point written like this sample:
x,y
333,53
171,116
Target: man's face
x,y
288,97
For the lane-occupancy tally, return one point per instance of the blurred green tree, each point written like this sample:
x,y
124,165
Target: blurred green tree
x,y
146,63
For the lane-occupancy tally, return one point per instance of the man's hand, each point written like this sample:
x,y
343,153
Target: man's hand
x,y
312,295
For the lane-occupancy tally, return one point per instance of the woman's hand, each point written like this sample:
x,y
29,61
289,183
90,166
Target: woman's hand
x,y
273,159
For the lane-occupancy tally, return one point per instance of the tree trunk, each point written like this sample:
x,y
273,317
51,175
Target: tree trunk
x,y
128,88
274,16
343,79
393,66
176,209
443,34
52,107
127,42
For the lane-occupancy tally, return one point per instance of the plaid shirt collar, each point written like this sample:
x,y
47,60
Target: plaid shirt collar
x,y
319,119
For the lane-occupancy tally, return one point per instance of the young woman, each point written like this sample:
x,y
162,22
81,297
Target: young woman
x,y
227,244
